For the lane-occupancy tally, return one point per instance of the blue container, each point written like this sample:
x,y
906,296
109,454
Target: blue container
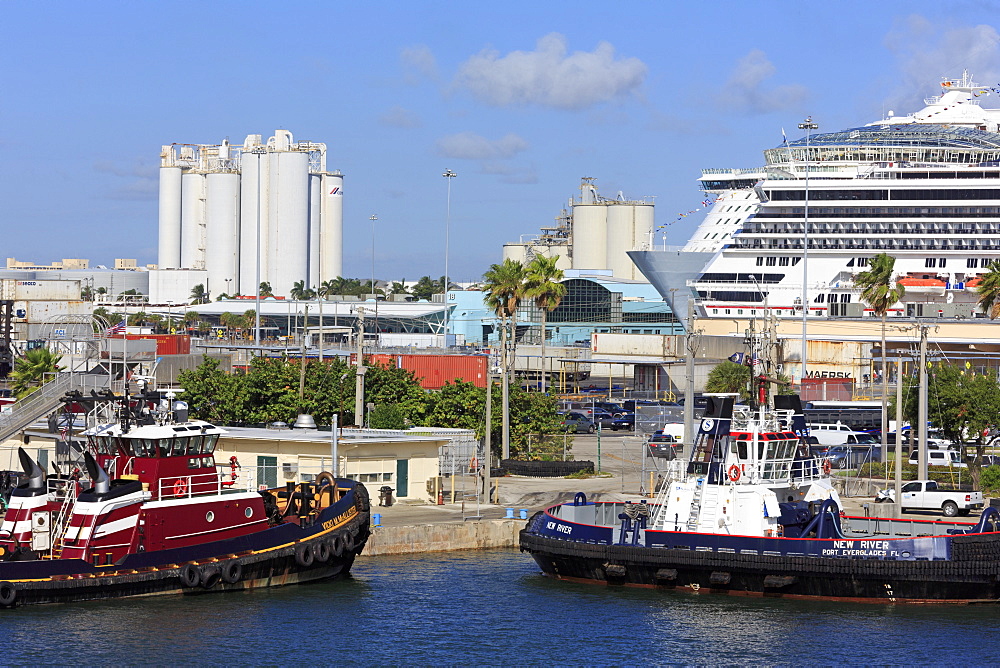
x,y
377,519
524,514
510,514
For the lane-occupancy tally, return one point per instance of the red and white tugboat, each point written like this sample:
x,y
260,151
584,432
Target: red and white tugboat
x,y
154,515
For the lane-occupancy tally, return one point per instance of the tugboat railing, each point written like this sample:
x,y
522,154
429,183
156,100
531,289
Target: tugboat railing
x,y
185,487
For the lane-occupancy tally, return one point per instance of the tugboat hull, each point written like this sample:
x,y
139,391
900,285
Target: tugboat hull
x,y
970,576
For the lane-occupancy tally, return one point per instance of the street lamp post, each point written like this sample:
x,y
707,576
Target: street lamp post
x,y
374,218
448,175
808,126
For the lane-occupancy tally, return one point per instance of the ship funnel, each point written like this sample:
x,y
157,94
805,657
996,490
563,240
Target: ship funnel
x,y
34,472
102,483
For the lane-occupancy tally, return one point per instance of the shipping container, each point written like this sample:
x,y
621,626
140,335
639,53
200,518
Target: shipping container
x,y
12,288
166,344
433,371
648,345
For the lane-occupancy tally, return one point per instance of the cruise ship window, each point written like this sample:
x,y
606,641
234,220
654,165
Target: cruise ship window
x,y
760,261
772,261
942,262
783,261
845,298
930,263
971,263
820,298
796,260
862,262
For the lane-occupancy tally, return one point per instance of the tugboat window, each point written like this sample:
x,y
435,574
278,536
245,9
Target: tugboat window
x,y
210,516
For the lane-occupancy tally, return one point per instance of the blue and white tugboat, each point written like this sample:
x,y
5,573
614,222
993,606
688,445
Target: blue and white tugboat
x,y
153,514
752,513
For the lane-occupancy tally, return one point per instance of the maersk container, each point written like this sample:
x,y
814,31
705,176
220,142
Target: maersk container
x,y
433,371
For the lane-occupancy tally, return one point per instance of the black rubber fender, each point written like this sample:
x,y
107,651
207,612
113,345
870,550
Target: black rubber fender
x,y
190,576
8,594
232,572
348,539
210,576
322,551
337,545
304,555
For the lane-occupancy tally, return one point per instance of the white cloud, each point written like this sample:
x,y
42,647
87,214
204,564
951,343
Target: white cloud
x,y
745,90
470,146
418,63
928,52
143,175
398,117
549,77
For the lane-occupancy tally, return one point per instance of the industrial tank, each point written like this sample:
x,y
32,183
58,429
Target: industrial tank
x,y
253,209
169,256
288,233
589,236
332,227
315,211
222,233
629,226
193,220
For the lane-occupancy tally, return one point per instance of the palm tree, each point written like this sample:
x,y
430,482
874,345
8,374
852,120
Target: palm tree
x,y
880,290
155,320
729,377
544,287
989,290
300,291
30,370
265,289
199,295
503,288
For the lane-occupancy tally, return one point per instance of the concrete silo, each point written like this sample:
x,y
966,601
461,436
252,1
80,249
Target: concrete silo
x,y
590,229
193,220
222,231
629,224
254,213
331,252
169,252
288,233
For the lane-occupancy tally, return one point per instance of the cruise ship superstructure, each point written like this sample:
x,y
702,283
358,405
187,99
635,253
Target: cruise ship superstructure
x,y
924,188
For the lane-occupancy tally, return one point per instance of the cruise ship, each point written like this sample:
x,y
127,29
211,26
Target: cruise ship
x,y
923,188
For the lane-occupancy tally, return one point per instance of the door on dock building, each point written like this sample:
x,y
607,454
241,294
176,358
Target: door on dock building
x,y
402,477
267,471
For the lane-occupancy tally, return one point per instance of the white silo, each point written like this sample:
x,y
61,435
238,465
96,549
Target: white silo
x,y
288,233
222,231
169,255
645,223
315,216
193,220
590,226
254,212
332,227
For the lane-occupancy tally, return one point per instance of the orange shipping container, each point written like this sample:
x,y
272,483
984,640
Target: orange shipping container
x,y
433,371
166,344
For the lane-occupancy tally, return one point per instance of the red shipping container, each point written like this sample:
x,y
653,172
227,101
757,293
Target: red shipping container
x,y
433,371
166,344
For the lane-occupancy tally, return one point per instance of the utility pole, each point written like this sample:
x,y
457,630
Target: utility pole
x,y
921,412
505,397
359,381
334,443
899,434
691,347
488,438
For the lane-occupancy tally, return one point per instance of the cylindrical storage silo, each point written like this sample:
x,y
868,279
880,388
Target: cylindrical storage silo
x,y
222,231
193,220
517,252
589,236
288,235
315,215
619,239
645,223
169,255
332,227
253,221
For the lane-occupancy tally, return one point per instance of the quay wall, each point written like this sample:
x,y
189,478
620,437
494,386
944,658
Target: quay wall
x,y
442,537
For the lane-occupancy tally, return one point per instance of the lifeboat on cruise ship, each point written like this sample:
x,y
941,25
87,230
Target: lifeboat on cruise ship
x,y
927,285
150,512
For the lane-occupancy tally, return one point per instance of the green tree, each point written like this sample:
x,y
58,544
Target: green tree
x,y
199,295
137,319
36,367
503,290
543,286
880,291
386,416
961,404
729,377
301,292
426,288
989,290
155,320
265,289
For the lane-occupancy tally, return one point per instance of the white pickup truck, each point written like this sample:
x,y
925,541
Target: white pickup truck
x,y
925,495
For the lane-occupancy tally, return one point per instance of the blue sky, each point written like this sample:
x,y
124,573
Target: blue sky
x,y
521,99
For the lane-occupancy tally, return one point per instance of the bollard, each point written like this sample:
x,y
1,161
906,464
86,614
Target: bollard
x,y
377,519
510,514
524,514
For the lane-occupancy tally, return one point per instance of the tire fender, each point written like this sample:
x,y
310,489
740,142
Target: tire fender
x,y
304,555
210,576
190,576
348,540
8,594
322,552
232,572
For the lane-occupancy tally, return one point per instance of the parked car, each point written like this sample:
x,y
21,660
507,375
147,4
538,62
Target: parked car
x,y
664,445
603,418
991,460
950,458
611,407
578,422
924,494
624,421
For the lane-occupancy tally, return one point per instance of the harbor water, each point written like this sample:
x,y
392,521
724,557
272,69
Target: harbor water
x,y
489,608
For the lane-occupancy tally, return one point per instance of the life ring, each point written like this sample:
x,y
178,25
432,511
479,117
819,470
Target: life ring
x,y
734,473
826,467
190,576
180,487
304,555
322,551
232,572
474,464
210,576
7,594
